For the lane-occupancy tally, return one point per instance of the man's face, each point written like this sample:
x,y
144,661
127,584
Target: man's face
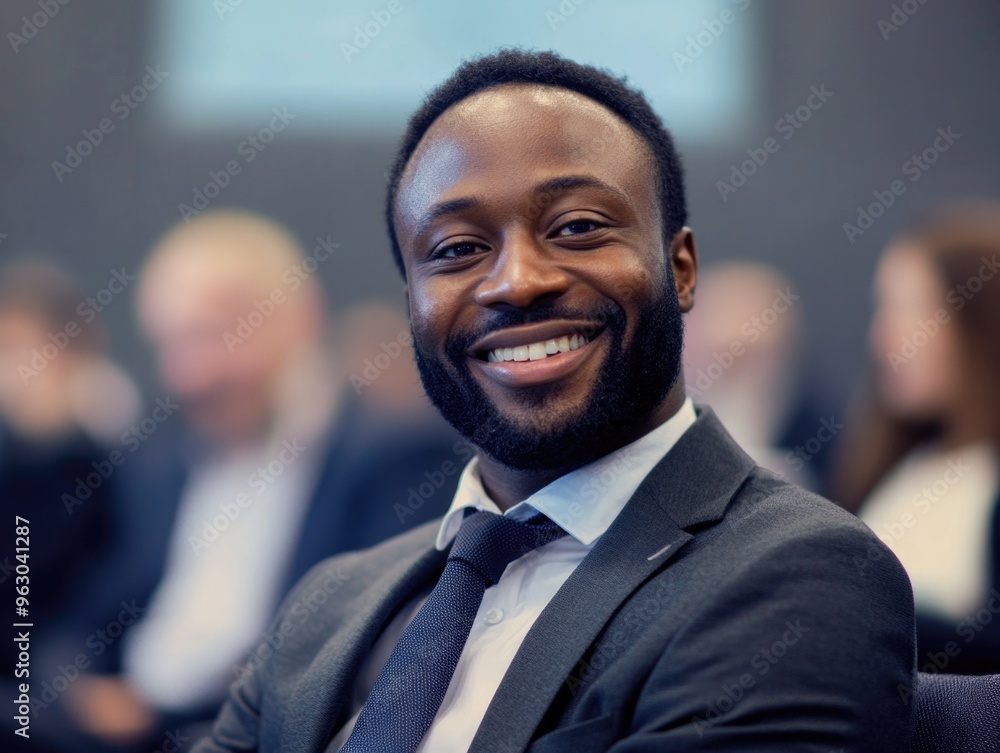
x,y
545,319
189,304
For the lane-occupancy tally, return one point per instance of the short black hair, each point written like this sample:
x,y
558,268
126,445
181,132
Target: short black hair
x,y
513,66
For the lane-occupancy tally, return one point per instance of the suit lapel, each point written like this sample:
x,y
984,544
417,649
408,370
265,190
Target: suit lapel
x,y
322,692
691,485
621,560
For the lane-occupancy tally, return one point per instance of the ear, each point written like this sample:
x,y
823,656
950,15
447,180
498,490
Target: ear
x,y
684,262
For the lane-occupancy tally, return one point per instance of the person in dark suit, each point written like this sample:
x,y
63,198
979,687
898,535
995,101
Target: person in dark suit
x,y
614,574
257,461
53,365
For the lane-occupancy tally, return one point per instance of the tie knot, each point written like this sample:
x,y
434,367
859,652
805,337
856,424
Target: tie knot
x,y
489,542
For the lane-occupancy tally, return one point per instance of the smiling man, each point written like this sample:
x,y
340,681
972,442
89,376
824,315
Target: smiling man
x,y
614,572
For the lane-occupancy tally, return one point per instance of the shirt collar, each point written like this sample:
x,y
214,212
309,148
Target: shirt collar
x,y
584,502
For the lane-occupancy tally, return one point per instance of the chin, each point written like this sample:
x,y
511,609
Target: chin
x,y
910,407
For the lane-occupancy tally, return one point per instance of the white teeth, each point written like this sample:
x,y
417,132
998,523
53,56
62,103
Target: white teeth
x,y
537,351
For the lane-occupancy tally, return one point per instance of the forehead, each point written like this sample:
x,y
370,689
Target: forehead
x,y
508,138
906,273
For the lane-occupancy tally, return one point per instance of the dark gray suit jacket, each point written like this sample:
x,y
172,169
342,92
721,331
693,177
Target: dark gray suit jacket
x,y
723,610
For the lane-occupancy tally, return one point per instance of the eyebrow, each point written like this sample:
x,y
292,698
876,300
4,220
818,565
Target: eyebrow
x,y
555,185
454,206
571,182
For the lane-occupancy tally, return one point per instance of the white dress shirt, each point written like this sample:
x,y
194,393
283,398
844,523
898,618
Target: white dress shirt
x,y
584,503
222,580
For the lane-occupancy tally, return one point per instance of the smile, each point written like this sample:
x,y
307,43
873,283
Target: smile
x,y
536,354
538,350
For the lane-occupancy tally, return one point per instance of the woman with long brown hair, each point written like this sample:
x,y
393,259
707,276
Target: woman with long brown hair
x,y
920,460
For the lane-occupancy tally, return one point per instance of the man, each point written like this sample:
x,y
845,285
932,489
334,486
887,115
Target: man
x,y
256,463
694,601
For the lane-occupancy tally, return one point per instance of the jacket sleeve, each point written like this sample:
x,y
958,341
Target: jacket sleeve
x,y
237,725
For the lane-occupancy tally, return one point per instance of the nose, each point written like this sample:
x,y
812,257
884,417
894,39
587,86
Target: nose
x,y
524,274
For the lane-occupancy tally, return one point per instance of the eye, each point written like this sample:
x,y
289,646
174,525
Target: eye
x,y
578,227
455,250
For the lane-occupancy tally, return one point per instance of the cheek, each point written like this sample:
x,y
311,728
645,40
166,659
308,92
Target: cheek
x,y
633,285
937,363
432,306
926,382
885,335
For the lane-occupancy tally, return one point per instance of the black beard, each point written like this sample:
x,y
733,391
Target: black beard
x,y
631,384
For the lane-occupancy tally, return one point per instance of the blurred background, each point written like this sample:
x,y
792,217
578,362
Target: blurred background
x,y
168,167
228,64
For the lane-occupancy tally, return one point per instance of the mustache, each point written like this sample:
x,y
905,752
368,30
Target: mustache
x,y
608,315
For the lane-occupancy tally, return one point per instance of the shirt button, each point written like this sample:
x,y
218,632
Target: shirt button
x,y
493,616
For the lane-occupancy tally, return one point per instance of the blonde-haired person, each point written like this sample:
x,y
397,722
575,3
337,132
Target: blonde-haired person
x,y
255,471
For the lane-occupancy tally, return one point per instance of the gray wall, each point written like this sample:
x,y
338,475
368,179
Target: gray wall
x,y
890,96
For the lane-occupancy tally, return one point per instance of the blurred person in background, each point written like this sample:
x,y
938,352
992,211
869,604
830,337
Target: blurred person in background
x,y
248,473
742,358
919,460
61,402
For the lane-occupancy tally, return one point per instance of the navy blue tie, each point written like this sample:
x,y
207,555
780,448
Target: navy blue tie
x,y
409,690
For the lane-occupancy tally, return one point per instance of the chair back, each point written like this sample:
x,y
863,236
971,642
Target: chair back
x,y
957,714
